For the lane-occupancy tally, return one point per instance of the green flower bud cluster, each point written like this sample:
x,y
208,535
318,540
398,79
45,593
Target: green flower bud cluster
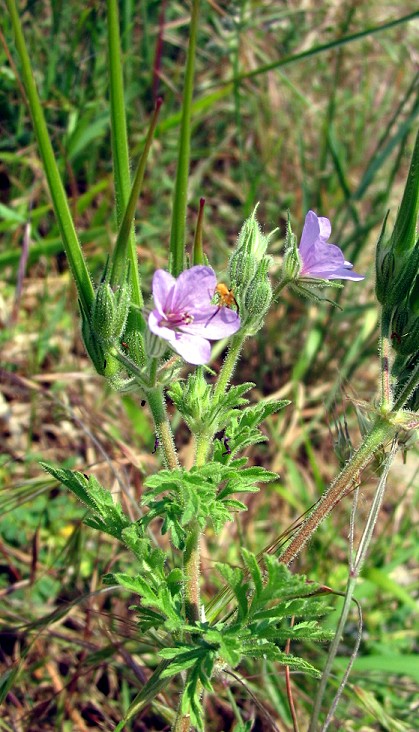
x,y
258,297
104,328
193,399
397,259
248,269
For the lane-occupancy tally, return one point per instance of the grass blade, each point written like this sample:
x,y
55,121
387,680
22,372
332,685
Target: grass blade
x,y
58,195
180,196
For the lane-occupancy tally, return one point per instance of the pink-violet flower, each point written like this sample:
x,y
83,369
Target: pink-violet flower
x,y
320,259
185,316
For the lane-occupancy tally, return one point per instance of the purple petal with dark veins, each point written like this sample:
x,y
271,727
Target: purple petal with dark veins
x,y
319,258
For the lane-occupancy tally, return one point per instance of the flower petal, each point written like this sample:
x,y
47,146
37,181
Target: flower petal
x,y
160,330
214,323
319,258
194,289
346,273
325,227
192,348
163,287
311,232
322,260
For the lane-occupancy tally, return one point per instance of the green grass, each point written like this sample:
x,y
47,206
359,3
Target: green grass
x,y
332,131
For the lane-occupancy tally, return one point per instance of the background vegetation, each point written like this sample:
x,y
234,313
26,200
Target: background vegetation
x,y
331,130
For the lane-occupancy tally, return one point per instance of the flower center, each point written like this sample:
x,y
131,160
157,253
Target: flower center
x,y
175,320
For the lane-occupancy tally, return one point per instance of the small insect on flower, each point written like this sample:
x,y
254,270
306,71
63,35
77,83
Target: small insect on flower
x,y
225,299
226,296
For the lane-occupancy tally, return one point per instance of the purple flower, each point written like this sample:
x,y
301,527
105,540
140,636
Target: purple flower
x,y
184,315
319,258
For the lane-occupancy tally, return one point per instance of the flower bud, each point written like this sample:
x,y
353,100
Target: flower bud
x,y
384,266
292,261
404,233
192,398
402,279
110,312
397,259
405,334
258,297
414,294
242,267
122,300
103,312
251,240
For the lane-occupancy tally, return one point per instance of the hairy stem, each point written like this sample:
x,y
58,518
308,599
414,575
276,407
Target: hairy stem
x,y
163,428
191,565
350,588
229,364
385,356
380,433
182,722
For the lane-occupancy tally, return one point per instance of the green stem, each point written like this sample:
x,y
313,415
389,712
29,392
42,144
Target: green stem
x,y
182,722
202,443
119,257
379,434
191,565
280,287
192,555
198,256
350,588
120,154
164,432
191,568
180,196
122,181
229,364
59,199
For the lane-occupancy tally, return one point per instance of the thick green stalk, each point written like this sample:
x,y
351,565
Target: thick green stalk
x,y
59,199
198,256
120,154
180,195
380,433
122,178
350,588
119,257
